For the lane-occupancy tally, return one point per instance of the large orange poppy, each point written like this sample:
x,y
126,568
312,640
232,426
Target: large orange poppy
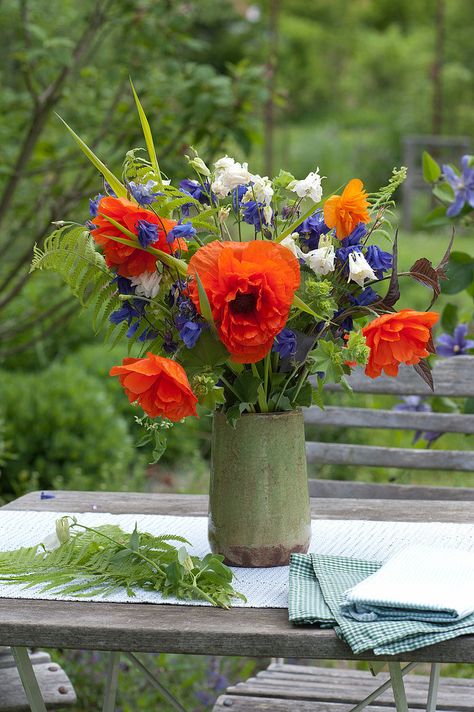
x,y
401,337
160,386
129,260
250,287
346,211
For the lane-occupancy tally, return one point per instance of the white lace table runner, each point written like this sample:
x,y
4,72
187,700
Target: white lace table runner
x,y
263,588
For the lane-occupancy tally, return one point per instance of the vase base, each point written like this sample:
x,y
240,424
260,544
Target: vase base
x,y
260,557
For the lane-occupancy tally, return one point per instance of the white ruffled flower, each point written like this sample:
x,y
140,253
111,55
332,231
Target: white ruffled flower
x,y
224,214
321,260
267,214
147,284
359,269
261,190
228,175
309,187
290,244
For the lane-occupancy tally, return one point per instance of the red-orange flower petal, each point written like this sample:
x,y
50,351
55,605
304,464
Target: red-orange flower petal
x,y
401,337
250,287
160,386
128,259
346,211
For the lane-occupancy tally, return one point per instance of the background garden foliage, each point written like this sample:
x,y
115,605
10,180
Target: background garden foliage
x,y
352,78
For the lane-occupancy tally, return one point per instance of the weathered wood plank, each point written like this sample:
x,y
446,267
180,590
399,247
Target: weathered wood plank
x,y
196,630
55,686
452,377
389,419
373,456
7,660
259,704
345,489
197,505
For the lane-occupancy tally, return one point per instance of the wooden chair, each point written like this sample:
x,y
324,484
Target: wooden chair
x,y
287,688
56,688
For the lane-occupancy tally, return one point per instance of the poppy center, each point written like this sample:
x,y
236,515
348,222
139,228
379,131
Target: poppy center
x,y
243,303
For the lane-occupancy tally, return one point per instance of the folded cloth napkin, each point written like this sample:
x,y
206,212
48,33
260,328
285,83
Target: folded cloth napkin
x,y
317,588
421,583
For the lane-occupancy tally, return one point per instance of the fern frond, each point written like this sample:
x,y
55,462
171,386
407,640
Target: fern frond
x,y
70,252
382,199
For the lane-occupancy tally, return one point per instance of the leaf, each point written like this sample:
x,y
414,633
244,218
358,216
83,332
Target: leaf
x,y
134,541
444,193
304,398
204,305
246,385
423,369
450,317
469,406
459,273
147,134
443,263
424,272
393,292
437,217
431,169
208,351
118,188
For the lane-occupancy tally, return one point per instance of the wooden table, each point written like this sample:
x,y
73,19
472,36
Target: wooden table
x,y
251,632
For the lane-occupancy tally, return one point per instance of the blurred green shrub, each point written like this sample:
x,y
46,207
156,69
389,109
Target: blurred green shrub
x,y
66,432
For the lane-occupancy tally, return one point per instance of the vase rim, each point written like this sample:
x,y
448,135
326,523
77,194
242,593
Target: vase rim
x,y
295,411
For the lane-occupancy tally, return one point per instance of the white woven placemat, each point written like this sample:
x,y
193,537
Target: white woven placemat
x,y
264,588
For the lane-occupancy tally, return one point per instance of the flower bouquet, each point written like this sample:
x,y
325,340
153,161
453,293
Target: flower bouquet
x,y
243,295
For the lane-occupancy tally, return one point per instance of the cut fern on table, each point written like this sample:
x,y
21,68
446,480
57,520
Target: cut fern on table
x,y
99,561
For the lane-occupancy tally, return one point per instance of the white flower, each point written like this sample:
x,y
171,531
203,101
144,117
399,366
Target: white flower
x,y
267,214
322,259
308,187
359,269
228,175
147,284
261,190
224,214
290,244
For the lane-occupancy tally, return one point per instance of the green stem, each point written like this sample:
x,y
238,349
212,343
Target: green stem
x,y
262,401
301,380
267,369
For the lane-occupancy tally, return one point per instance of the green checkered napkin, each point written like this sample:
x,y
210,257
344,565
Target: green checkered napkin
x,y
317,586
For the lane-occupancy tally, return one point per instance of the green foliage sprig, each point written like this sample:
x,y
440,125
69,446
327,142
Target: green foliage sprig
x,y
106,559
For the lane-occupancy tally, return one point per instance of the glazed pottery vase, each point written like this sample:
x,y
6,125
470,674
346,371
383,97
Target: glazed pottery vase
x,y
259,511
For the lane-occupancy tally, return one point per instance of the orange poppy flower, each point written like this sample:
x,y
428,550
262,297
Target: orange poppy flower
x,y
160,386
346,211
401,337
129,260
250,287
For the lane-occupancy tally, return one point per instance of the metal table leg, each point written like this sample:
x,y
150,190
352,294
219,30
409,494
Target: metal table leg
x,y
111,683
28,679
398,687
433,688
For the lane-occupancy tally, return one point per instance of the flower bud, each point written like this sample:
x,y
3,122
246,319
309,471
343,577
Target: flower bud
x,y
62,530
199,166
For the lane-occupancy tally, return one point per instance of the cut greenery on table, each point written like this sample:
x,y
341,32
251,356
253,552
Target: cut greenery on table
x,y
100,561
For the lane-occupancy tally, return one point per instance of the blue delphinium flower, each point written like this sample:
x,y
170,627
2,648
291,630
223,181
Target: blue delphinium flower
x,y
237,195
379,260
311,230
285,343
351,243
253,214
366,297
187,321
94,205
147,232
455,345
143,192
463,186
416,404
184,228
109,190
201,193
132,309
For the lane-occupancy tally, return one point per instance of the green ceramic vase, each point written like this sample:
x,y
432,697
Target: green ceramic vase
x,y
259,510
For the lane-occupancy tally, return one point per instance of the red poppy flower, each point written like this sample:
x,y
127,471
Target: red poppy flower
x,y
129,260
160,386
250,287
401,337
346,211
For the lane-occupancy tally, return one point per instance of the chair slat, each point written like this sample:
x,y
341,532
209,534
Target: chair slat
x,y
452,377
346,489
345,454
389,419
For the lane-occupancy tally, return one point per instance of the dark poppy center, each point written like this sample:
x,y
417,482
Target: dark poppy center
x,y
243,303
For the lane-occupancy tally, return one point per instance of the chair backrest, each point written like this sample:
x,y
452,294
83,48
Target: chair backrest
x,y
453,377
